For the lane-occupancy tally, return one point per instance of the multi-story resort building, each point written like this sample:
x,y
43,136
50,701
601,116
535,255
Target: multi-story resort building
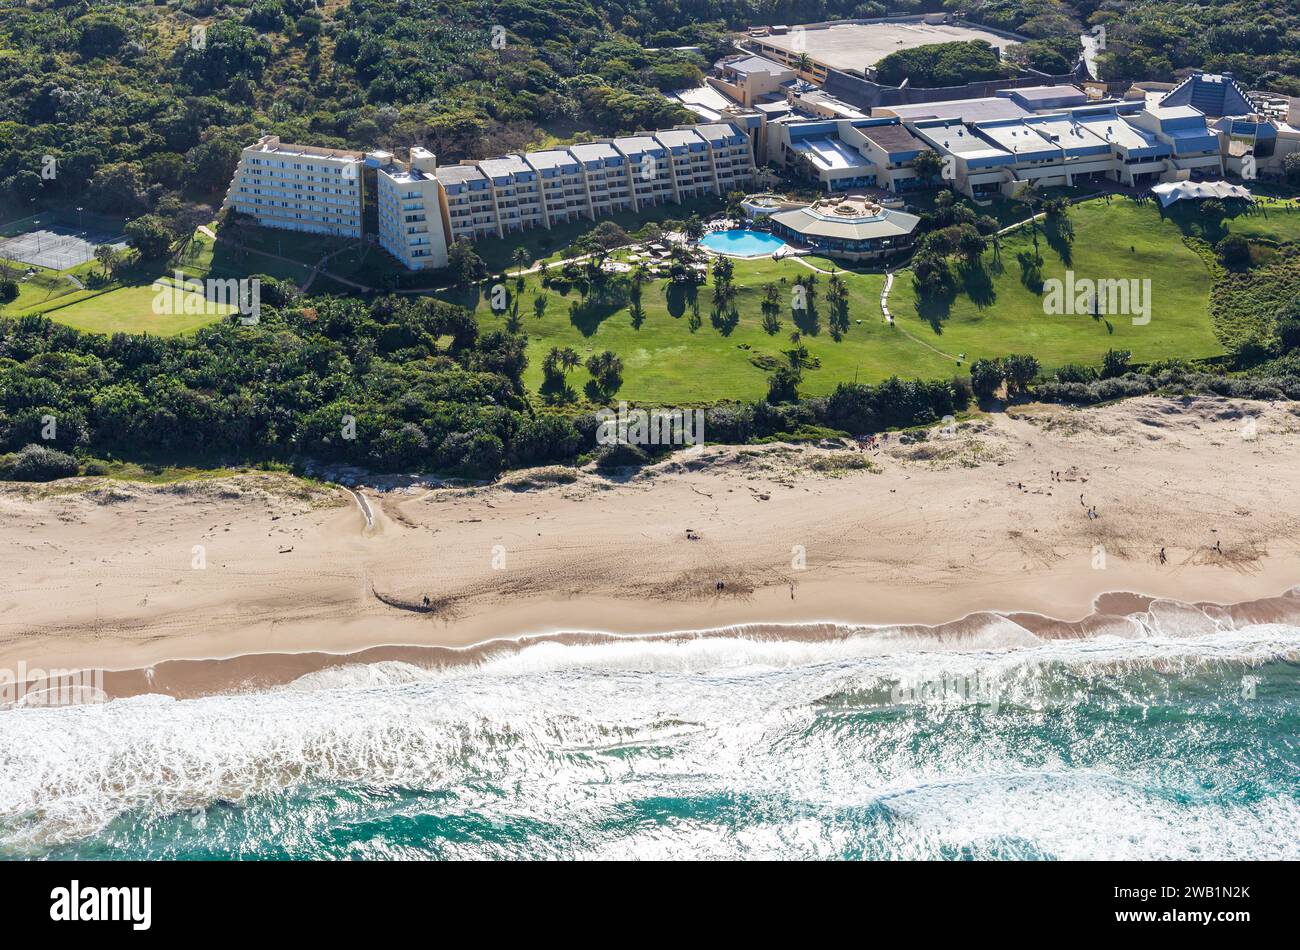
x,y
647,162
467,199
988,146
424,208
995,146
299,187
998,135
411,226
1256,130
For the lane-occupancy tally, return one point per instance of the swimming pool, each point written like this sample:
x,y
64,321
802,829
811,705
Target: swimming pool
x,y
742,243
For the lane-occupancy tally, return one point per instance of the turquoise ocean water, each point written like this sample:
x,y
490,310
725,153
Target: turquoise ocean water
x,y
1157,746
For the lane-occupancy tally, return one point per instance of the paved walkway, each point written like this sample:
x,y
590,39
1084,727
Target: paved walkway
x,y
814,267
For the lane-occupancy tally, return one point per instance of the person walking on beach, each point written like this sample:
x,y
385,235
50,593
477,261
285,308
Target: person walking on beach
x,y
1162,555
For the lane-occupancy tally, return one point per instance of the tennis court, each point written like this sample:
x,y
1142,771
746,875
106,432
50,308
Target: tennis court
x,y
57,246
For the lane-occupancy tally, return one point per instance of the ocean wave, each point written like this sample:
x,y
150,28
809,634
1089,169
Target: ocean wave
x,y
576,738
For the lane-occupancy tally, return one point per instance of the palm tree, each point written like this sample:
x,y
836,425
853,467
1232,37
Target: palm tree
x,y
520,258
606,371
803,63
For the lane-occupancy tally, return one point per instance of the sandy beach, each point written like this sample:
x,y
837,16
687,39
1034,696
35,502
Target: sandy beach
x,y
992,517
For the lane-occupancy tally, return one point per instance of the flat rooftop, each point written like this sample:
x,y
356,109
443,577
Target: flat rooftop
x,y
718,131
594,152
634,145
273,145
504,166
457,174
403,174
1018,139
893,138
678,138
1113,129
825,100
829,153
969,110
959,140
1071,135
1046,97
757,64
552,158
853,47
704,101
1173,112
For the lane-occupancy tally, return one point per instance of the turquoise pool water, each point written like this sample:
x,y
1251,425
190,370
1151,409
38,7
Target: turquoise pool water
x,y
742,243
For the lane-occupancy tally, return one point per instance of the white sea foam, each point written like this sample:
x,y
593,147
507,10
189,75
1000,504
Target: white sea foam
x,y
575,730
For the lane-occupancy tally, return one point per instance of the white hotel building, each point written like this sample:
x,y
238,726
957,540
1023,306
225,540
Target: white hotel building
x,y
299,187
423,209
410,210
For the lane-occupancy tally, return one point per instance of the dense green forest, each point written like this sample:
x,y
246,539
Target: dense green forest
x,y
140,111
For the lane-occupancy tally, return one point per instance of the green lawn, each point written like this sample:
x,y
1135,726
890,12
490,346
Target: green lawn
x,y
1272,219
130,310
664,361
1005,210
126,305
262,253
41,288
997,314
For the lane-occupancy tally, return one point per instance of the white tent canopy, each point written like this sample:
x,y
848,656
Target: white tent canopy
x,y
1172,191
